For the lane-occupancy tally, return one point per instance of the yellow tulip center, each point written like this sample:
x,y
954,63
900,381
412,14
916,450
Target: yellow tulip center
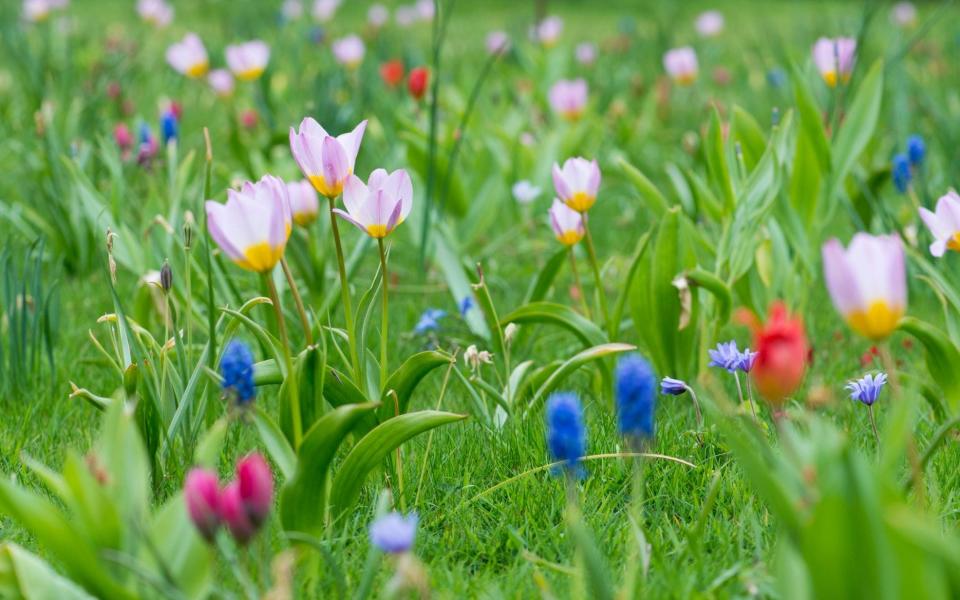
x,y
330,191
686,78
876,322
570,237
581,201
377,231
198,70
260,257
830,77
572,115
954,243
304,218
250,74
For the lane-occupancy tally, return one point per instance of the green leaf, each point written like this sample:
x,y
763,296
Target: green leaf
x,y
406,378
572,364
546,276
562,316
717,164
655,200
185,555
26,576
811,122
276,443
943,358
599,582
718,288
749,134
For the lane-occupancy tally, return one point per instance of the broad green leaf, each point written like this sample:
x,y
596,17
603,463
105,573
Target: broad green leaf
x,y
406,378
546,276
26,576
749,134
655,201
572,364
717,164
559,315
717,288
811,123
275,442
943,358
186,556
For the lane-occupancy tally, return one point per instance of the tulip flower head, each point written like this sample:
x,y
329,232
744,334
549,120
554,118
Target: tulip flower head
x,y
577,183
548,31
904,14
291,10
834,59
586,53
681,65
253,227
394,533
155,12
567,223
233,514
349,51
189,57
497,41
568,98
380,205
417,82
248,60
566,435
255,482
636,395
201,492
709,23
425,10
323,10
391,72
303,202
782,353
944,224
221,81
326,161
378,15
867,282
867,388
36,11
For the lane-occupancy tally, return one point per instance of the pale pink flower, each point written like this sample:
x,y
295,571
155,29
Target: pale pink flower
x,y
835,58
304,202
221,81
568,98
497,41
586,53
944,224
326,161
567,224
709,23
681,65
189,56
248,60
349,51
155,12
577,183
380,205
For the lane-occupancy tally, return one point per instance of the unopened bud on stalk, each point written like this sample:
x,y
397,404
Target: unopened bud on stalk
x,y
510,332
189,224
166,277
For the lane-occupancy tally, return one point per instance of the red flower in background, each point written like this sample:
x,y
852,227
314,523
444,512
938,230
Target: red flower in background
x,y
782,353
417,82
392,72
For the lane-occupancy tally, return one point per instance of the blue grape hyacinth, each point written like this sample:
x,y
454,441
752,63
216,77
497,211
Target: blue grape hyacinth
x,y
900,171
636,396
916,150
236,367
566,434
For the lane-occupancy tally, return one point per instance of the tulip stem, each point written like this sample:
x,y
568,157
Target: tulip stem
x,y
298,301
383,328
592,254
345,293
576,281
293,386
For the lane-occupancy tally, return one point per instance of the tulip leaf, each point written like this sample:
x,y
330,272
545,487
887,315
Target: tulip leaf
x,y
655,200
546,276
275,442
557,314
717,165
748,133
943,358
25,575
406,378
571,365
184,553
717,288
811,122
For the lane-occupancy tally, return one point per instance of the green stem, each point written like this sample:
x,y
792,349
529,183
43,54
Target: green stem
x,y
298,301
293,386
592,254
576,282
345,293
383,328
873,423
187,314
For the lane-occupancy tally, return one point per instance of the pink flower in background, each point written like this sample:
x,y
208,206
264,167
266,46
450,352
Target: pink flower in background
x,y
324,10
123,137
904,14
568,98
37,11
835,58
255,481
525,192
379,206
497,41
155,12
291,9
234,515
349,51
681,65
577,183
567,223
378,15
709,23
586,53
304,202
326,161
201,492
405,16
221,80
425,10
944,224
548,31
189,56
248,60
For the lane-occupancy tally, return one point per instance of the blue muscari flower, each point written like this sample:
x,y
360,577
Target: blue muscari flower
x,y
465,305
636,396
673,387
867,388
916,150
394,533
901,172
566,435
726,356
429,320
146,137
746,360
236,367
169,128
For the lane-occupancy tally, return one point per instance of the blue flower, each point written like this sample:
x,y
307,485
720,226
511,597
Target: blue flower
x,y
429,320
746,360
900,172
636,396
916,150
867,388
776,77
726,356
566,436
673,387
169,127
465,305
394,533
236,366
146,136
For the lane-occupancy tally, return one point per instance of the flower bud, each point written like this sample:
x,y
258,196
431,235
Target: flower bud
x,y
510,333
189,224
233,514
255,481
166,277
201,490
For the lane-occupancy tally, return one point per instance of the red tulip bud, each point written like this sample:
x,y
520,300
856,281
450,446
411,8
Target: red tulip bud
x,y
234,515
417,82
201,491
392,72
256,487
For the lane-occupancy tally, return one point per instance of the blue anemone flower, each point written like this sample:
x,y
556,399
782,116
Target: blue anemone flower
x,y
236,367
636,396
429,320
900,171
726,356
673,387
566,434
465,305
394,533
746,360
867,388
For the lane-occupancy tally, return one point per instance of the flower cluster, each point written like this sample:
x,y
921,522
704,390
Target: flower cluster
x,y
242,505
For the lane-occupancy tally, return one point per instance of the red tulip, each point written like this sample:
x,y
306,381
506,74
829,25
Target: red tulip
x,y
417,82
392,72
782,353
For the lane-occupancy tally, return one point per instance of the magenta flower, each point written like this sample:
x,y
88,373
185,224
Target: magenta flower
x,y
221,81
349,51
567,223
325,160
944,224
189,57
234,515
381,204
248,60
568,98
681,65
834,59
255,481
201,491
577,183
303,202
253,227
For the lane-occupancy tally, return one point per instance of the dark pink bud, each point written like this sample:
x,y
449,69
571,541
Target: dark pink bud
x,y
256,487
177,109
114,90
249,118
201,490
233,513
123,137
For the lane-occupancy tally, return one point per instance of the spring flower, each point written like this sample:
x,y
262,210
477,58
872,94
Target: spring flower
x,y
726,356
221,81
904,14
148,148
497,41
525,192
867,282
900,172
568,98
155,12
944,224
567,223
681,65
394,533
291,10
405,16
381,204
746,360
325,160
417,82
473,357
169,126
36,11
378,15
429,320
566,435
304,203
189,57
465,305
323,10
391,72
425,10
782,353
349,51
834,59
201,491
709,23
916,150
233,514
636,396
255,481
577,183
236,368
253,227
867,388
248,60
585,53
123,137
672,387
548,31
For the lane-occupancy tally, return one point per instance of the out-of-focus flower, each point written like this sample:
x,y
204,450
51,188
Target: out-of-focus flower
x,y
248,60
253,227
834,59
256,487
904,14
429,321
249,118
148,148
867,282
391,72
916,150
900,172
567,223
746,360
672,387
425,10
709,23
681,65
233,514
417,82
201,492
394,533
323,10
236,368
303,202
169,126
867,388
405,15
497,41
378,15
782,354
548,31
349,51
465,305
577,183
776,77
325,160
566,434
155,12
291,10
944,224
525,192
725,356
474,357
123,137
378,206
586,53
221,81
636,396
37,11
189,56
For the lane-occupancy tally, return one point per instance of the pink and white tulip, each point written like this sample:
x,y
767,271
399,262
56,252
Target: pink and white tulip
x,y
586,53
189,57
425,10
904,14
248,60
155,12
380,205
568,98
378,15
291,9
221,81
548,31
835,58
577,183
567,223
323,10
681,65
867,282
709,23
326,161
944,224
303,202
497,41
253,227
349,51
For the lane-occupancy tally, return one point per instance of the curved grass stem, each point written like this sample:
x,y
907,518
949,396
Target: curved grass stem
x,y
292,385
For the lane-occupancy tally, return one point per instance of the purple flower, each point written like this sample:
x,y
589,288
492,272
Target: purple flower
x,y
726,356
465,305
867,388
746,360
394,533
672,387
429,320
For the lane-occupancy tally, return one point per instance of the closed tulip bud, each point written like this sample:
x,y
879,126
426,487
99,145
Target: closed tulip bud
x,y
256,487
234,515
781,356
392,72
201,491
417,82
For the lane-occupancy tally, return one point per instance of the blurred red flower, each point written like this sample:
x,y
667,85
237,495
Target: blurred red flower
x,y
417,82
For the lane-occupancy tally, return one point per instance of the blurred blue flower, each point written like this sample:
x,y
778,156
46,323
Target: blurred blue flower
x,y
726,356
776,77
673,387
317,34
566,436
746,360
394,533
636,396
146,136
169,127
429,320
867,388
916,150
901,172
465,305
236,367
